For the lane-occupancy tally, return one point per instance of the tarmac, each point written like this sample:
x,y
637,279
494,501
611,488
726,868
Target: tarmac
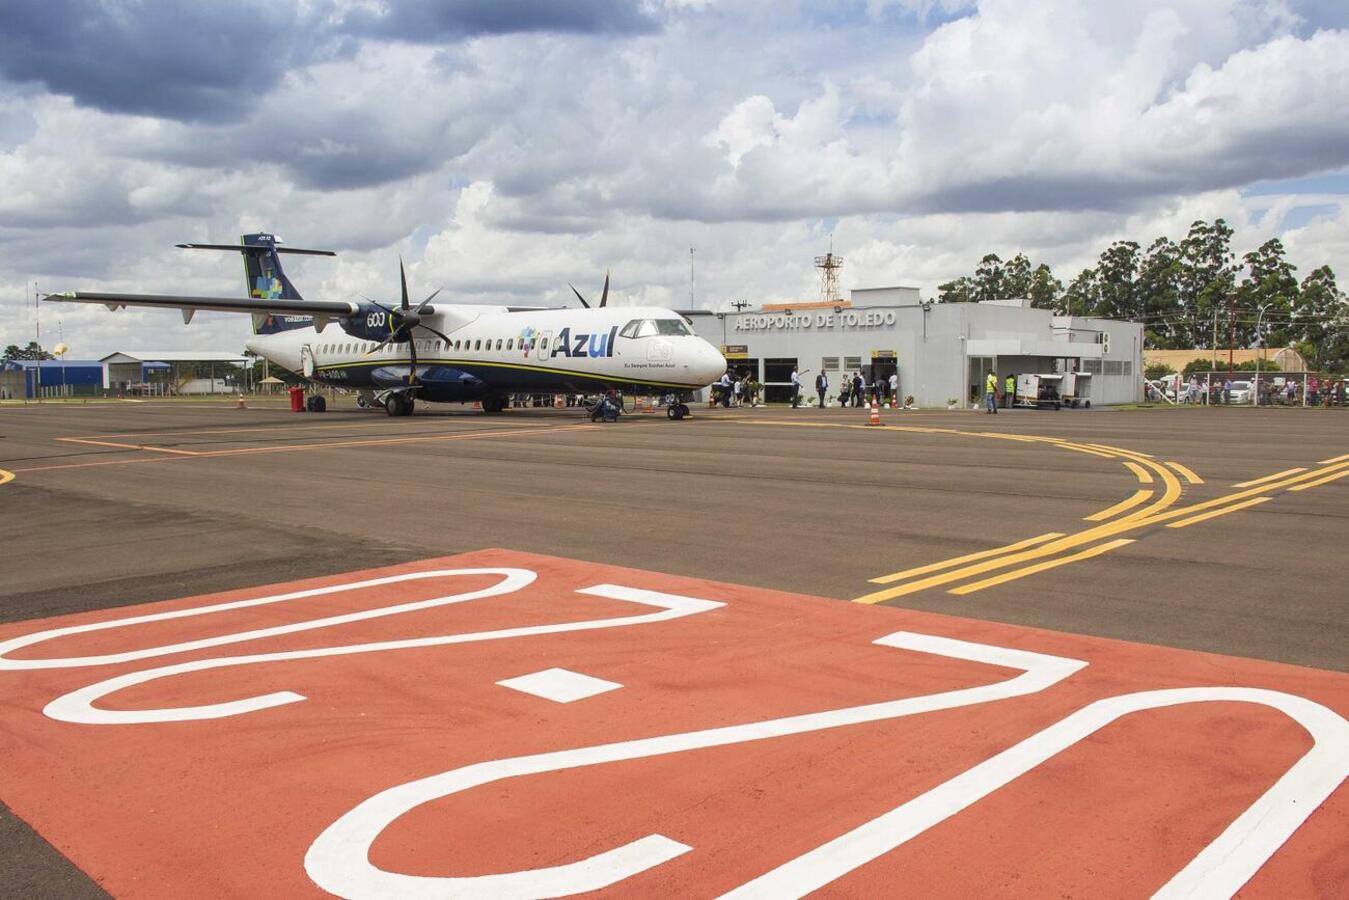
x,y
1211,540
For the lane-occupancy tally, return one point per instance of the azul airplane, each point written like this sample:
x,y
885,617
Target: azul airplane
x,y
452,352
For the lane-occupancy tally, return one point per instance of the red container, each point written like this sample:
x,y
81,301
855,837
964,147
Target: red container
x,y
296,399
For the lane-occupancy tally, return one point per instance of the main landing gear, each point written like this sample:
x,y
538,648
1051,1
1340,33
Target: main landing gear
x,y
494,404
399,404
677,411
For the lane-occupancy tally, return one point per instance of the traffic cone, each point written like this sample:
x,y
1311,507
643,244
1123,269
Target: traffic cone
x,y
648,406
558,401
239,404
875,415
477,404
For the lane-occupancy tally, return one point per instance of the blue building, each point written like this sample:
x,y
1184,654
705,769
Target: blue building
x,y
24,378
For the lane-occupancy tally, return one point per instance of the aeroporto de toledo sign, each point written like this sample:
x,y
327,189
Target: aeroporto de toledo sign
x,y
859,319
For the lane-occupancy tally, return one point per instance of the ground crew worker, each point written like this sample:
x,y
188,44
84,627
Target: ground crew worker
x,y
1009,394
991,393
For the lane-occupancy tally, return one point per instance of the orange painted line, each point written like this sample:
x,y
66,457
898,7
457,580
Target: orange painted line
x,y
1214,513
1138,497
1040,567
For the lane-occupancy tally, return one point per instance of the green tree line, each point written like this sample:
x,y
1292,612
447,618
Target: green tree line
x,y
1188,293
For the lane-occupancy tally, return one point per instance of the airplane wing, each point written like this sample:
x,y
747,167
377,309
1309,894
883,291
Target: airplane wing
x,y
273,306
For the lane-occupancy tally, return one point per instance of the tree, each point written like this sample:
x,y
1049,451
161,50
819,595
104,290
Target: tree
x,y
1016,278
1270,284
989,279
1206,280
1080,298
1321,320
32,351
1045,291
1115,276
960,290
1157,292
1157,370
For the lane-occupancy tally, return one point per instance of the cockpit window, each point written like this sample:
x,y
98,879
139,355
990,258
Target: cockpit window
x,y
641,328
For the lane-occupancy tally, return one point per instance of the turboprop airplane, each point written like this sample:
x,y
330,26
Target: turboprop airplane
x,y
451,353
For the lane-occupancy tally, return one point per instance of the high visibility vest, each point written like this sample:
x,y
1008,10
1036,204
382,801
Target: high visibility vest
x,y
991,386
1011,384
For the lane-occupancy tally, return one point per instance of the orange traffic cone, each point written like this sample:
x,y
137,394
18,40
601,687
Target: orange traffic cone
x,y
239,404
648,406
875,415
477,404
559,402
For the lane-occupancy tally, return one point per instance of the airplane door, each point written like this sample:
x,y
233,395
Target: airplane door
x,y
307,360
543,347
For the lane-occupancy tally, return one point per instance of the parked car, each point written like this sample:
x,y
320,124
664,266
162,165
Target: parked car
x,y
1242,392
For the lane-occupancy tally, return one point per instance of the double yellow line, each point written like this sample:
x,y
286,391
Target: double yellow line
x,y
1042,553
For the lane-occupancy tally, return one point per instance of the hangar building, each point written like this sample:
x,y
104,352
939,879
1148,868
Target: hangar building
x,y
941,351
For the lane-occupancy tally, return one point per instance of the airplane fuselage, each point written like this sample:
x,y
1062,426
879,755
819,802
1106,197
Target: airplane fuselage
x,y
493,351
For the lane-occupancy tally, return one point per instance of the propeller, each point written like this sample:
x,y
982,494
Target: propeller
x,y
404,320
604,297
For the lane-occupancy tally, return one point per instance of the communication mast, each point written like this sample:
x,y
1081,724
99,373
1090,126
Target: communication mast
x,y
829,264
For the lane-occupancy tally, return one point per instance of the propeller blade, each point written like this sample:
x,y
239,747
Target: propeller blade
x,y
379,346
428,299
402,277
578,296
604,298
439,335
412,351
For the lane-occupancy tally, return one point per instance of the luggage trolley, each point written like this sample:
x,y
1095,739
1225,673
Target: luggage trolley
x,y
1039,391
1075,389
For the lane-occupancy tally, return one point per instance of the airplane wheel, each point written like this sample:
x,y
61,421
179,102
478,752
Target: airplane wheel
x,y
683,410
674,411
395,405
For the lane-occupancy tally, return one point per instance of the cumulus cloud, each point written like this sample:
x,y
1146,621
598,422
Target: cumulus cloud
x,y
506,149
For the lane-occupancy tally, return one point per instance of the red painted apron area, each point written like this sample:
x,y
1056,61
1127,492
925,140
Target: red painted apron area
x,y
753,738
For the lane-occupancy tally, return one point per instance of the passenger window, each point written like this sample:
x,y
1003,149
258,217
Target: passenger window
x,y
477,345
498,343
543,343
510,343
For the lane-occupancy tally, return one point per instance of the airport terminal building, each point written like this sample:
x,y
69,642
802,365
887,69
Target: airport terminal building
x,y
941,351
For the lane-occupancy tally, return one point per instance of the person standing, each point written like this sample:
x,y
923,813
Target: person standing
x,y
821,386
796,388
859,388
991,393
725,385
1227,391
738,387
1009,391
894,389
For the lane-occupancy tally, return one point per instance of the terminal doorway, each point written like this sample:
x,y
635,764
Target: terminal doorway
x,y
882,367
777,380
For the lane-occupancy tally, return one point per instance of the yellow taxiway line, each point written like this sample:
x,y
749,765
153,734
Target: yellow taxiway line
x,y
6,476
1214,513
1138,497
971,557
1254,481
1320,481
1186,473
1041,567
1143,475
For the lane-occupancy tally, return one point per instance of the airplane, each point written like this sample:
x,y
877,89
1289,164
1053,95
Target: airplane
x,y
450,353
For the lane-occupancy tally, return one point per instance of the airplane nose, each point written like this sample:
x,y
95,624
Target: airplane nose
x,y
711,365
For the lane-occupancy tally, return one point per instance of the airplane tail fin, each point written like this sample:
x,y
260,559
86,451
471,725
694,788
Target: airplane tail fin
x,y
264,278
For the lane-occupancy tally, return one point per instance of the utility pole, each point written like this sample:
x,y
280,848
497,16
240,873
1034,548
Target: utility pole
x,y
1231,328
37,325
691,303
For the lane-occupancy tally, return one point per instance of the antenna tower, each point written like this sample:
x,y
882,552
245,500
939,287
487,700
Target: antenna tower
x,y
829,264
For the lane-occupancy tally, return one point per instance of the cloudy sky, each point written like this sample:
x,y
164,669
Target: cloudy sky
x,y
507,147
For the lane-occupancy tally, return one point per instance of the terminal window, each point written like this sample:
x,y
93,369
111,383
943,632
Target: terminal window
x,y
829,364
852,363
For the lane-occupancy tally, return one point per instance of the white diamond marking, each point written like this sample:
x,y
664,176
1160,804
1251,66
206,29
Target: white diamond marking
x,y
560,685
